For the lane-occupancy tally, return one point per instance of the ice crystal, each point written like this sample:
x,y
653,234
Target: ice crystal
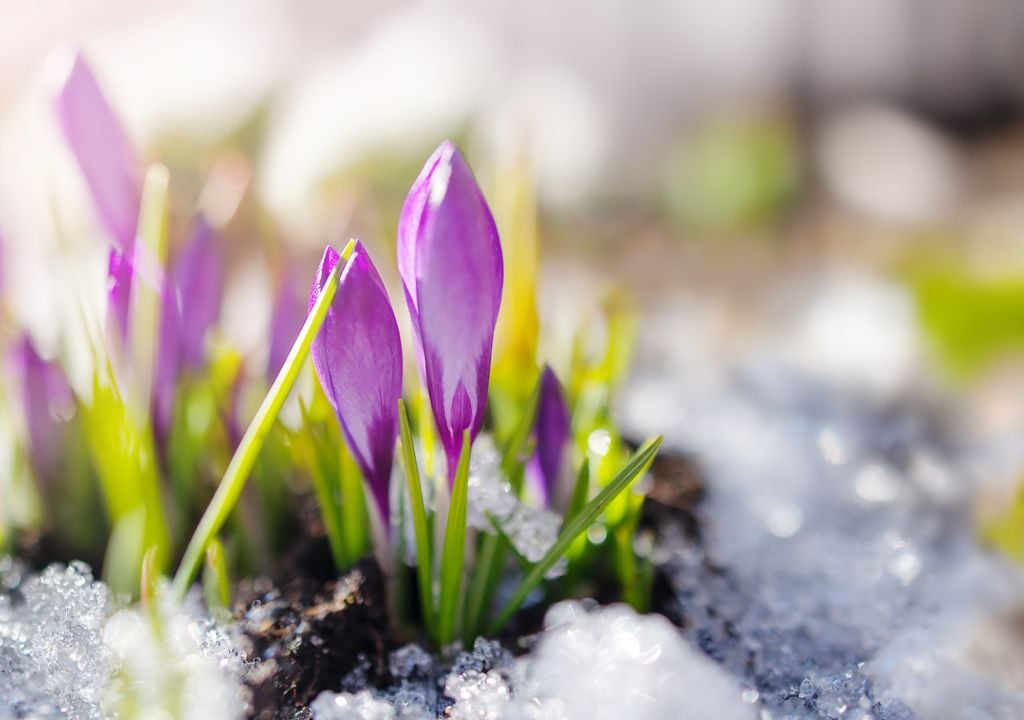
x,y
531,530
53,662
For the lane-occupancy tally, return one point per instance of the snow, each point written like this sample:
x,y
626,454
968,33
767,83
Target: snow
x,y
53,662
591,663
839,574
67,653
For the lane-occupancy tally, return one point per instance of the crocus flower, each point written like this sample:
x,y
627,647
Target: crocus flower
x,y
199,277
286,320
111,171
551,432
119,291
450,261
190,306
104,154
46,402
358,359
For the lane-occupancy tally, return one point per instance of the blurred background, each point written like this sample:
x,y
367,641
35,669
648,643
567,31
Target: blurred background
x,y
843,179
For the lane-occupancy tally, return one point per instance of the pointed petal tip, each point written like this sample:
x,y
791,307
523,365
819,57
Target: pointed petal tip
x,y
97,140
327,262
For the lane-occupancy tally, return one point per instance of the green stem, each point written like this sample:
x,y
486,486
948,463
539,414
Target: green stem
x,y
454,551
490,555
424,561
245,456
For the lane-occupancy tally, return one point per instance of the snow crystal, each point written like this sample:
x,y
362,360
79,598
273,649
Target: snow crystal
x,y
64,655
192,660
352,706
531,530
53,663
614,663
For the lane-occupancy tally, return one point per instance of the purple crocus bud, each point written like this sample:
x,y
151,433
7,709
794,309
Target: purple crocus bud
x,y
47,402
358,359
168,361
552,432
120,271
450,261
286,320
199,277
102,149
190,306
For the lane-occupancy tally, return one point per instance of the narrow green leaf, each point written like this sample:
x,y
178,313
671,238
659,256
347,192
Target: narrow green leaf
x,y
586,517
579,493
355,521
145,301
477,598
231,484
322,466
454,551
216,584
421,528
516,448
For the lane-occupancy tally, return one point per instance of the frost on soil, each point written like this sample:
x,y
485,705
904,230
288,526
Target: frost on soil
x,y
600,663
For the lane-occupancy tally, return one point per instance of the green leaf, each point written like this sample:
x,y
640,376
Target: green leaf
x,y
586,517
323,468
421,529
145,302
454,551
245,456
516,448
354,519
491,555
216,584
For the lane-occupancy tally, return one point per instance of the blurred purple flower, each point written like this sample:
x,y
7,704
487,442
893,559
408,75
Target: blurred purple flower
x,y
104,154
111,171
285,322
358,359
199,277
168,361
46,402
120,271
552,432
449,257
190,307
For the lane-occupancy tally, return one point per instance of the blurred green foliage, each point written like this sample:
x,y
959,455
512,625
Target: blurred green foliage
x,y
733,174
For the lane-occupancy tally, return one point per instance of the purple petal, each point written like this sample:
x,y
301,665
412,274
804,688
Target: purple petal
x,y
199,276
46,401
450,260
552,433
168,361
285,322
120,272
104,154
358,359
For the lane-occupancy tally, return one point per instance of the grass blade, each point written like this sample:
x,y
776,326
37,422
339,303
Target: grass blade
x,y
477,598
421,529
322,467
454,552
146,291
579,493
518,442
231,485
216,583
637,465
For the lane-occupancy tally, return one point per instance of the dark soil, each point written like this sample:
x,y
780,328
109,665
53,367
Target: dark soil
x,y
310,634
